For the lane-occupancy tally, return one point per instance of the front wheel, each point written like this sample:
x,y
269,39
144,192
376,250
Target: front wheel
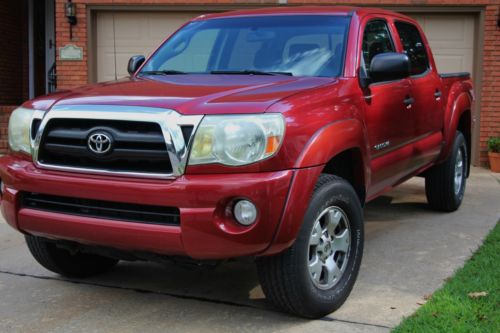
x,y
316,274
445,183
66,263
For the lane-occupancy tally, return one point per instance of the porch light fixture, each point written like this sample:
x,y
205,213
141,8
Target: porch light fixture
x,y
70,11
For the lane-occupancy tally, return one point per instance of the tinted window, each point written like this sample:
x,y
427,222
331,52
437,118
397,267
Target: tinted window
x,y
303,45
414,47
376,40
196,55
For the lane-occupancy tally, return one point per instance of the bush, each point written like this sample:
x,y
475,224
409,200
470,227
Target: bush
x,y
494,144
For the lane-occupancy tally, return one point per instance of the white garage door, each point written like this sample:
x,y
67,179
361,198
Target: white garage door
x,y
135,33
452,40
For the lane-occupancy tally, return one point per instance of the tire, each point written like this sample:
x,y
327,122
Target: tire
x,y
445,183
65,263
287,279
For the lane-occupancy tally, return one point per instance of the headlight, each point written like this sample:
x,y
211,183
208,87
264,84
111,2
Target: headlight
x,y
237,139
19,130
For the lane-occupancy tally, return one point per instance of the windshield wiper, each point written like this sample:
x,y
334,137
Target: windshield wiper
x,y
251,72
162,72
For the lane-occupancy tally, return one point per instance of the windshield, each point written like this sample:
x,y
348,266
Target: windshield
x,y
299,45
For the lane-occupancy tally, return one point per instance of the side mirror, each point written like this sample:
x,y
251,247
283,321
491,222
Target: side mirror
x,y
389,66
134,63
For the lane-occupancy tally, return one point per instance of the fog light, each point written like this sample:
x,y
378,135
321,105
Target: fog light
x,y
245,212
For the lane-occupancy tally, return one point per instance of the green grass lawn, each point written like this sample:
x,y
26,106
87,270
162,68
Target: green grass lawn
x,y
452,309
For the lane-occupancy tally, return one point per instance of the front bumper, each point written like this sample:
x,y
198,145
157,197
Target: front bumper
x,y
206,229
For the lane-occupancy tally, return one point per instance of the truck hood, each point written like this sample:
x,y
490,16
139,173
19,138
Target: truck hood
x,y
187,94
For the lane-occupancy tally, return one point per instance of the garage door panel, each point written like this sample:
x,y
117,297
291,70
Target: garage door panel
x,y
124,30
135,33
451,38
158,24
449,63
107,71
452,30
104,31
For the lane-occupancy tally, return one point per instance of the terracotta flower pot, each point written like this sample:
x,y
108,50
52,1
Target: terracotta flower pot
x,y
494,161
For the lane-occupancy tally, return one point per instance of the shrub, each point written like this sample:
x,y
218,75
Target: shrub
x,y
494,144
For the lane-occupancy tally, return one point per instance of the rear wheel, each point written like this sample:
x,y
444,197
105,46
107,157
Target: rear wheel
x,y
66,263
314,277
445,183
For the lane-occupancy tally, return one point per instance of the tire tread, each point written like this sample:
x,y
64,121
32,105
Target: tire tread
x,y
272,270
438,184
42,255
62,262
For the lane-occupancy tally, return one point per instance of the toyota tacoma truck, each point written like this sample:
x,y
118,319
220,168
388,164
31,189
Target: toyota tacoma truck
x,y
256,133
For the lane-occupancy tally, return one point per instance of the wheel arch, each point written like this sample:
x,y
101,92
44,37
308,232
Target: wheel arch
x,y
341,149
337,149
458,116
348,165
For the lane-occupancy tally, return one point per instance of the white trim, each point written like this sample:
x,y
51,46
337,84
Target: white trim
x,y
50,42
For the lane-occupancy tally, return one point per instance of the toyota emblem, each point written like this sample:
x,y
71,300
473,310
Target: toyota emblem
x,y
100,143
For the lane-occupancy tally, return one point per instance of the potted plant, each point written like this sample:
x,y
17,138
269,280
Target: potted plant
x,y
494,153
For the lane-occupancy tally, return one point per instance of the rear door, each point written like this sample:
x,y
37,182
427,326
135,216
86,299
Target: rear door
x,y
389,122
427,107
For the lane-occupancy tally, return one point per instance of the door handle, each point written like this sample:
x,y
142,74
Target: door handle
x,y
408,101
437,94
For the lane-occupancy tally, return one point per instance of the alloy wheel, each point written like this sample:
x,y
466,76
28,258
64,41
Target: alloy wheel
x,y
329,246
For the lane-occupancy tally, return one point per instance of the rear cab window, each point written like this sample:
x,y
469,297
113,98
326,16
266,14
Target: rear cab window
x,y
413,47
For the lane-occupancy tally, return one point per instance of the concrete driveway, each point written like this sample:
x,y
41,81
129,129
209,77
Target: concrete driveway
x,y
409,251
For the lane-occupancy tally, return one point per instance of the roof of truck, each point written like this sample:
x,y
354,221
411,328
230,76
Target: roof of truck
x,y
301,10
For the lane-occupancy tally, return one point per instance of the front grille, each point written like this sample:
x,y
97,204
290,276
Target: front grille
x,y
137,146
102,209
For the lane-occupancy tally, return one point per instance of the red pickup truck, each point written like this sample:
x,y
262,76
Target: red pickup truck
x,y
250,133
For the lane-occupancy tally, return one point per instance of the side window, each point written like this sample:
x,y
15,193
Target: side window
x,y
414,47
376,39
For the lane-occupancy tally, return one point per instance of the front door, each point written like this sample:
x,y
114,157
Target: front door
x,y
389,120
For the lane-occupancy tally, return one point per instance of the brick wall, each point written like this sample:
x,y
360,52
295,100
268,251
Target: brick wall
x,y
13,54
72,74
5,111
490,94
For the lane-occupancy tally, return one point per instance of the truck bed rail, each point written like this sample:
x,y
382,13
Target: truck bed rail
x,y
458,74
